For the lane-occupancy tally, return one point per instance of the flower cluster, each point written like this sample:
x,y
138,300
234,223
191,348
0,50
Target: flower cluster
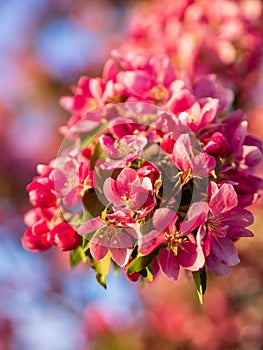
x,y
222,38
154,174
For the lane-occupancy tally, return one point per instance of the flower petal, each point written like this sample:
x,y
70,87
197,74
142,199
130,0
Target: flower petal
x,y
120,255
223,199
90,226
151,241
216,267
113,191
164,218
191,256
224,250
97,250
237,217
197,214
181,156
169,264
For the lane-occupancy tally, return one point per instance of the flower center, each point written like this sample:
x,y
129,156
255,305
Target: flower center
x,y
174,240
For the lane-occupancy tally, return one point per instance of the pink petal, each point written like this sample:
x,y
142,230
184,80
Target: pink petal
x,y
224,200
238,232
40,227
151,241
120,240
202,164
95,86
90,226
86,125
197,214
129,176
216,267
65,237
113,191
224,250
180,101
191,256
139,197
120,255
155,268
169,264
208,113
181,156
97,250
238,137
252,155
34,242
137,82
107,145
73,197
66,102
237,217
164,218
164,70
110,70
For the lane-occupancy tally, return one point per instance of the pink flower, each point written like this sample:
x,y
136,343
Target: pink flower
x,y
89,94
224,39
64,236
216,144
182,248
36,242
73,175
36,238
113,234
130,191
121,152
245,152
197,117
182,157
206,86
226,223
41,192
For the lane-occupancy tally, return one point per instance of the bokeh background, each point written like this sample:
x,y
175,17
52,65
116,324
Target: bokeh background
x,y
45,46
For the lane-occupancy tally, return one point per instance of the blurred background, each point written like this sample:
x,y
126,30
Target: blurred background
x,y
45,46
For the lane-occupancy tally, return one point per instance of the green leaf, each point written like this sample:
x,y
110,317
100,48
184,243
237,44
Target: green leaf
x,y
200,282
97,152
77,255
85,244
147,274
141,262
92,203
102,268
90,136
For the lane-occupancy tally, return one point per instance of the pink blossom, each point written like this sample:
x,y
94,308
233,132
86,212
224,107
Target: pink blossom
x,y
244,154
73,175
36,238
198,117
89,94
226,222
224,39
183,249
64,236
145,140
131,192
122,151
182,157
36,242
113,234
216,144
41,192
207,86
